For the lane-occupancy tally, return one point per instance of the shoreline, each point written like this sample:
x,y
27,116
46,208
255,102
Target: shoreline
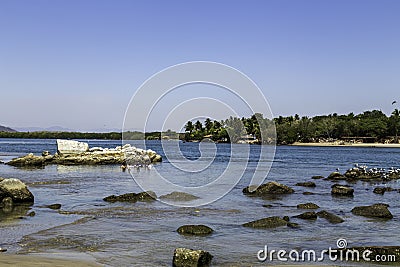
x,y
335,144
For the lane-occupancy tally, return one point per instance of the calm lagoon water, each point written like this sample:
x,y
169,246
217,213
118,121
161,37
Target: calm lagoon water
x,y
144,234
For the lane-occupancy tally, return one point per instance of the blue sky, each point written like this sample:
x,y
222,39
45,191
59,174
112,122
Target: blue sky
x,y
76,64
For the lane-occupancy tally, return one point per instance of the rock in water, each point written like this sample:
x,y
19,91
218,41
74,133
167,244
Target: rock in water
x,y
268,188
132,197
309,206
71,147
269,222
184,257
179,196
306,184
195,230
29,160
54,206
373,211
310,215
336,176
16,190
330,217
342,190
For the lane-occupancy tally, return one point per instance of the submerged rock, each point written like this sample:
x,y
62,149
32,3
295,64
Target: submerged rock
x,y
330,217
16,190
184,257
306,184
269,222
373,211
342,190
317,177
268,188
54,206
310,206
195,230
132,197
179,196
382,190
309,215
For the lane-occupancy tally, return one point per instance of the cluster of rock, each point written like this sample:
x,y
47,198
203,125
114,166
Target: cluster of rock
x,y
71,152
366,174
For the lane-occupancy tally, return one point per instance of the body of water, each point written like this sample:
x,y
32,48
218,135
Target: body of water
x,y
144,233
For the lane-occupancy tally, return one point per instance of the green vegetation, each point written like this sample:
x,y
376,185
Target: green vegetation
x,y
369,126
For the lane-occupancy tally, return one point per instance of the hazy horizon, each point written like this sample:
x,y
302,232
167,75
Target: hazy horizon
x,y
77,64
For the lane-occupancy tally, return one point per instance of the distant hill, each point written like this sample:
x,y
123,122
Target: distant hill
x,y
40,129
6,129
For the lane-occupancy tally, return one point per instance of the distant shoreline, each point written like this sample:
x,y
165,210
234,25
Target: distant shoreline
x,y
336,144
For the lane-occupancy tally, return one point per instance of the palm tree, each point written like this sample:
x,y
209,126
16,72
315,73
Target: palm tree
x,y
198,126
189,127
396,122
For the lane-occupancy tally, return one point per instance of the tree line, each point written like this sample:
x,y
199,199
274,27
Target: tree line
x,y
369,124
372,125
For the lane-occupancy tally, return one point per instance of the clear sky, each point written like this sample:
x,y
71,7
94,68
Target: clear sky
x,y
76,64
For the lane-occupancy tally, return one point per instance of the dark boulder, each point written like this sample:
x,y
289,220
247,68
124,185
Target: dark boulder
x,y
270,222
195,230
336,176
308,206
132,197
330,217
342,190
309,215
373,211
268,188
306,184
184,257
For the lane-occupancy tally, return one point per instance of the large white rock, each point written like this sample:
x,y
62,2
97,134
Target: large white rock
x,y
71,147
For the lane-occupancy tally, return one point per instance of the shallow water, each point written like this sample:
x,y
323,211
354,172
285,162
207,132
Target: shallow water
x,y
144,233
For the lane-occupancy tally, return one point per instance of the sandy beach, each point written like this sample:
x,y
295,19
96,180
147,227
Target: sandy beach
x,y
335,144
42,261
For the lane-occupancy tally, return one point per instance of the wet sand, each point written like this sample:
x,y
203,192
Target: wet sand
x,y
42,261
336,144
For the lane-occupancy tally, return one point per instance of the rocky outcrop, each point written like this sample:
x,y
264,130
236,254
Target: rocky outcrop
x,y
179,196
317,177
269,222
78,153
308,206
309,215
306,184
184,257
195,230
16,190
373,211
268,188
132,197
342,190
29,160
330,217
